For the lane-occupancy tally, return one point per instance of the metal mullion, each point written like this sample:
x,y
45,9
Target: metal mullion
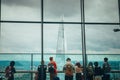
x,y
0,24
42,19
119,10
83,40
46,22
41,30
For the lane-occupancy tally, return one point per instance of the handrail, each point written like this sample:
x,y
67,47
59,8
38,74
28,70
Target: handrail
x,y
34,71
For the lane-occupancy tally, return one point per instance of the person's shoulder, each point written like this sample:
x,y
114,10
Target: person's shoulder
x,y
7,67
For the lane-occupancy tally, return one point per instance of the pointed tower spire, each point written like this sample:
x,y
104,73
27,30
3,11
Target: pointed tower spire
x,y
61,46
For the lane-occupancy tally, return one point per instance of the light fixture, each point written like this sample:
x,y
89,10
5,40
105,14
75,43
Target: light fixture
x,y
116,30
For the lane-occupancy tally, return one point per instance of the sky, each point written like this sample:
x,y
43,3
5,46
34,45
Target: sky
x,y
26,38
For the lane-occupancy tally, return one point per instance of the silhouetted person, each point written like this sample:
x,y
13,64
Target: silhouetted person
x,y
68,69
90,71
0,77
10,70
52,68
97,71
106,69
42,74
78,71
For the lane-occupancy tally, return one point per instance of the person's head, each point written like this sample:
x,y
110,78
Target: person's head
x,y
90,64
12,63
42,62
105,59
51,58
78,64
96,63
68,59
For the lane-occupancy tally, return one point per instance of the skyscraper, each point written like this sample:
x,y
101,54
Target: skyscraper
x,y
61,47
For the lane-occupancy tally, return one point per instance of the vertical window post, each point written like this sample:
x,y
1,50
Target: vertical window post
x,y
42,38
83,39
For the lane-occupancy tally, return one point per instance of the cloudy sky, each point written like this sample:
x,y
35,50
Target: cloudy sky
x,y
26,38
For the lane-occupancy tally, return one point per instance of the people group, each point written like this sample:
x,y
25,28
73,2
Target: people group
x,y
93,70
96,72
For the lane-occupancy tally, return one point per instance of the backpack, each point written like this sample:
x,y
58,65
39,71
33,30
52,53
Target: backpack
x,y
97,71
69,69
90,71
56,78
8,72
106,67
40,68
51,68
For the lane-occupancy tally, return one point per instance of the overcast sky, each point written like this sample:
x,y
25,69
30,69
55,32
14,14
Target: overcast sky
x,y
26,37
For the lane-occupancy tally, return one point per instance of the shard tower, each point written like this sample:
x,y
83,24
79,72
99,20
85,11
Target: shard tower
x,y
61,47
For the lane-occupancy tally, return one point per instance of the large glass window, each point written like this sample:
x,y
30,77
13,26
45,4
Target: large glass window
x,y
20,38
101,42
55,10
61,36
20,10
59,33
101,11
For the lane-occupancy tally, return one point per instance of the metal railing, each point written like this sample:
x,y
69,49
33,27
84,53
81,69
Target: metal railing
x,y
29,74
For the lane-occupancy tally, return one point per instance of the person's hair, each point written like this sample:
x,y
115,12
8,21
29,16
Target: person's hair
x,y
51,58
78,64
105,59
42,62
12,63
90,64
68,59
96,63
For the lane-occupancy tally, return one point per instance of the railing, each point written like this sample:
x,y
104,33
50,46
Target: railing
x,y
26,64
29,75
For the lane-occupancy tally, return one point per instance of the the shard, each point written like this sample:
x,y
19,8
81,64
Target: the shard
x,y
61,47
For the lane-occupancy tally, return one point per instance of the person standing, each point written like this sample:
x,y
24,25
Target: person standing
x,y
52,68
97,71
78,71
10,70
68,69
106,69
42,74
90,71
